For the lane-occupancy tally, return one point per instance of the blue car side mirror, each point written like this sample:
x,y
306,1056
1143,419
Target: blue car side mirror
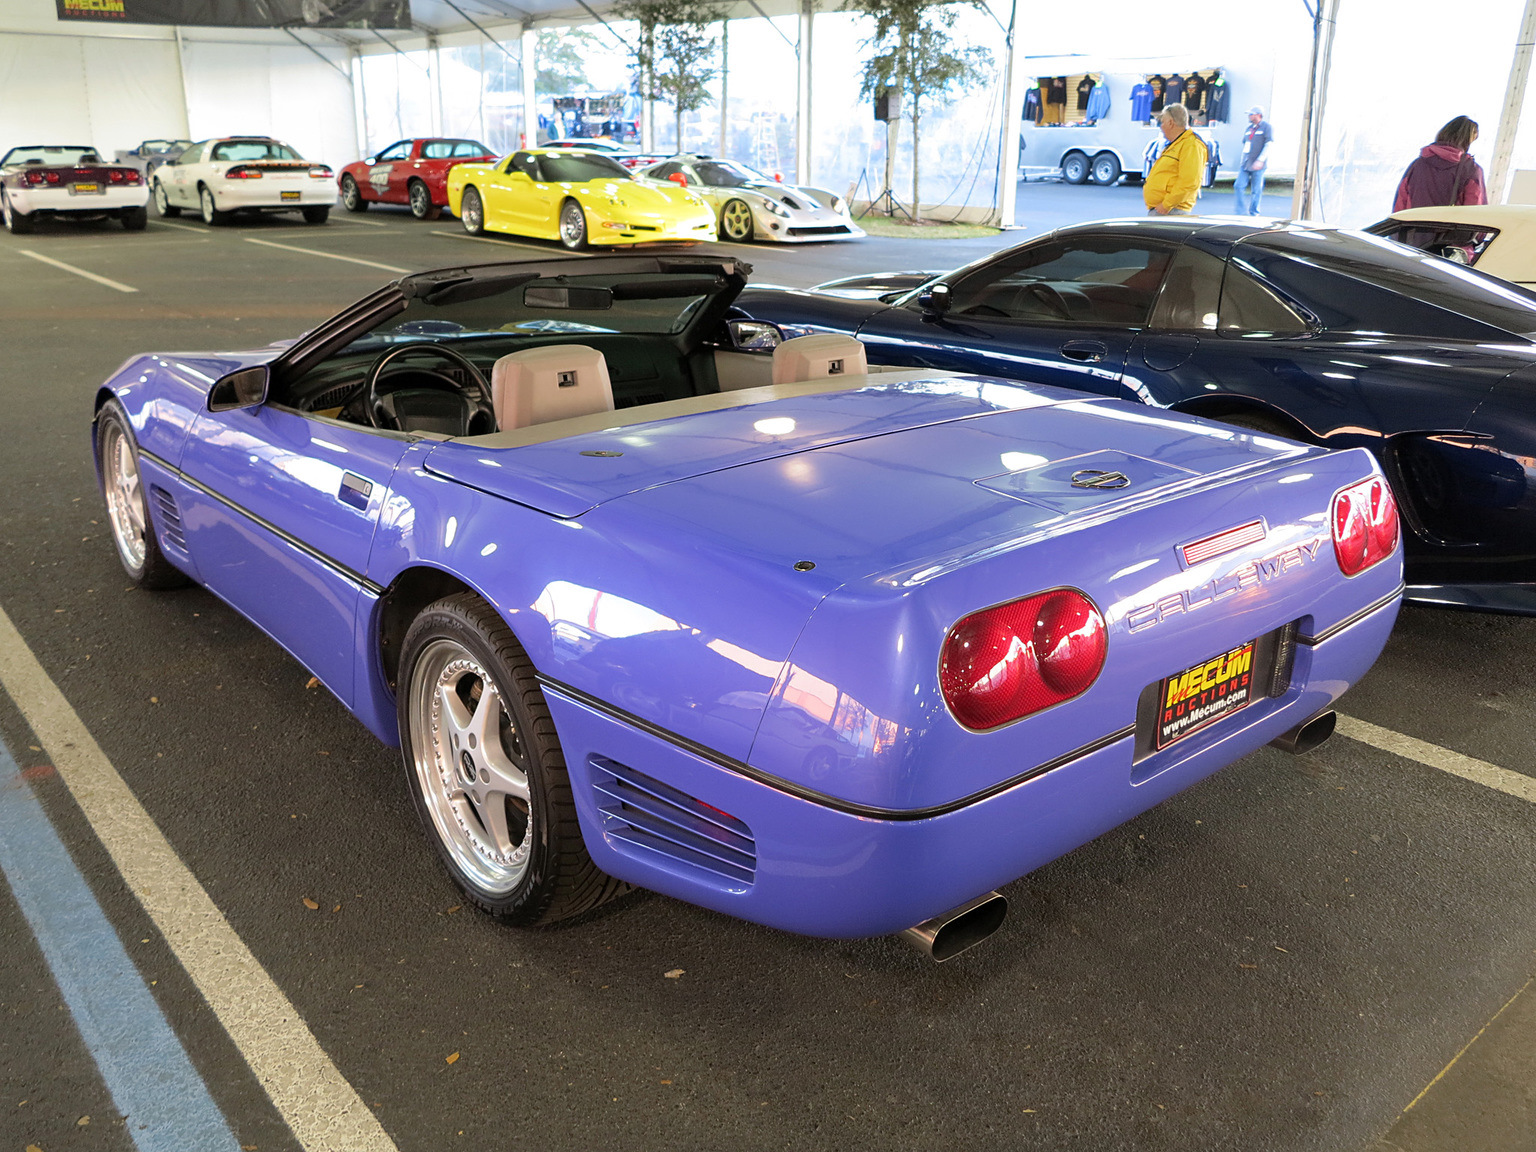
x,y
244,388
935,300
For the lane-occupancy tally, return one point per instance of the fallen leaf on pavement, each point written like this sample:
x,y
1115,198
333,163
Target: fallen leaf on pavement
x,y
310,904
674,974
451,1058
314,682
82,1122
1247,965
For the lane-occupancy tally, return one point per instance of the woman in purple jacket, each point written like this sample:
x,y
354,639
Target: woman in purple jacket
x,y
1444,173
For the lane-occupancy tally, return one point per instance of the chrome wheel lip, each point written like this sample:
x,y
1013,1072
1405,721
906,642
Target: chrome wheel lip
x,y
472,212
439,766
736,218
573,225
123,487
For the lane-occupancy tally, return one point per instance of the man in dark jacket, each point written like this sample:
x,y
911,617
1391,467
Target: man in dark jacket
x,y
1249,185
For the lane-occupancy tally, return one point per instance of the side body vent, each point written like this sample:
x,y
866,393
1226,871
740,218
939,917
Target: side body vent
x,y
646,814
168,518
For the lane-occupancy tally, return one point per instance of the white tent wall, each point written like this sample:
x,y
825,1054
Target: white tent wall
x,y
109,93
270,90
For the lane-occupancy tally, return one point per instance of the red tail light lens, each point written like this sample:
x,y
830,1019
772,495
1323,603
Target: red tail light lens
x,y
116,176
1364,525
37,179
321,172
1007,662
134,177
243,172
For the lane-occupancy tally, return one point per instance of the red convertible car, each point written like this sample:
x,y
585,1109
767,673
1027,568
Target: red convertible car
x,y
409,172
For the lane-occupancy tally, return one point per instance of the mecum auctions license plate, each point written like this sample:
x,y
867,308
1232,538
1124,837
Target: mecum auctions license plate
x,y
292,195
1203,694
84,189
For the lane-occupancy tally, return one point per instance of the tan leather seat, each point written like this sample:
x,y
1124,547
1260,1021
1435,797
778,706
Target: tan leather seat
x,y
818,357
538,385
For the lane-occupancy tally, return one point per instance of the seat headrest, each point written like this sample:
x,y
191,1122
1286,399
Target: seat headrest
x,y
538,385
818,357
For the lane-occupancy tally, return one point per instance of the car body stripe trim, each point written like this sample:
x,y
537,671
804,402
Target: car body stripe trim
x,y
852,807
335,566
1350,621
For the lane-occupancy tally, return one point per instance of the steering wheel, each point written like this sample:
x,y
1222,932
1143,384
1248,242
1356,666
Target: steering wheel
x,y
1048,296
384,411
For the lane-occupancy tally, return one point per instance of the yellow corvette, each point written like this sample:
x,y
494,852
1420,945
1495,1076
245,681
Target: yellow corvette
x,y
575,197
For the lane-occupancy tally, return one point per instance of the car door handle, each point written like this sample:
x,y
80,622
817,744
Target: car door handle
x,y
355,491
1085,351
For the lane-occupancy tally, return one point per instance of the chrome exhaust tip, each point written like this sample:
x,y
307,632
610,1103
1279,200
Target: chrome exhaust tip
x,y
960,929
1308,734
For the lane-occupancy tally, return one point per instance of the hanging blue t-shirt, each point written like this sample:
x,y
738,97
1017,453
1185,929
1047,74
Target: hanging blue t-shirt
x,y
1098,101
1141,102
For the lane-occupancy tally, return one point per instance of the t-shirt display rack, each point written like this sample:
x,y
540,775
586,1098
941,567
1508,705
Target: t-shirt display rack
x,y
1083,99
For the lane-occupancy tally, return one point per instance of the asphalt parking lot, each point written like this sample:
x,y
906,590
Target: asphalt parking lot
x,y
1284,957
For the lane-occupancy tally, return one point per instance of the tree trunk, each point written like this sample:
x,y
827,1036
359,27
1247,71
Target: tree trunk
x,y
678,139
917,211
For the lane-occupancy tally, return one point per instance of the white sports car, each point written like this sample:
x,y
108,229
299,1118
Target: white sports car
x,y
243,174
750,206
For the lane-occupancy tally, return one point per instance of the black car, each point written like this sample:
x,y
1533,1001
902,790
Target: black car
x,y
1319,334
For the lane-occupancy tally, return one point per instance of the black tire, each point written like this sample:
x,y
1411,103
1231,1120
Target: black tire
x,y
1259,422
1074,168
573,226
472,212
736,221
1106,169
163,205
450,652
134,219
317,215
129,519
16,223
421,201
352,196
211,215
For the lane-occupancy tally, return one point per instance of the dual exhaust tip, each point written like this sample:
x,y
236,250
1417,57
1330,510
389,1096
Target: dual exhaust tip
x,y
948,934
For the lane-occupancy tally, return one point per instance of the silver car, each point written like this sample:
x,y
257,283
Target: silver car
x,y
750,206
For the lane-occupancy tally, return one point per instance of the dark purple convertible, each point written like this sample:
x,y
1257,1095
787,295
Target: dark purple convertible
x,y
647,599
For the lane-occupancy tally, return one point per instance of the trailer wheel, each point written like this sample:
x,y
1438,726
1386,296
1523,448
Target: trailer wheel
x,y
1074,168
1106,169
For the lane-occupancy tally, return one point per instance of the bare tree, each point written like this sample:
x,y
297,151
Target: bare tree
x,y
915,54
678,50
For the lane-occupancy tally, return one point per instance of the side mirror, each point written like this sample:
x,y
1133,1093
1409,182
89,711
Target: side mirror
x,y
935,301
754,335
243,388
678,178
516,172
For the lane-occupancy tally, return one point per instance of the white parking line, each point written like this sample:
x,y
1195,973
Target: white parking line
x,y
328,255
494,240
354,220
1433,756
76,271
183,227
321,1109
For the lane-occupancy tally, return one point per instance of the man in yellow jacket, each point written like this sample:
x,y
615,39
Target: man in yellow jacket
x,y
1174,182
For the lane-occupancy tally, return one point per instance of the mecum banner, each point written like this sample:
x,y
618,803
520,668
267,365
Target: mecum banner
x,y
243,13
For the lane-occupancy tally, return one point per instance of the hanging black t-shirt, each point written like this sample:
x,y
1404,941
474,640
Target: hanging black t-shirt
x,y
1058,91
1194,86
1084,90
1157,83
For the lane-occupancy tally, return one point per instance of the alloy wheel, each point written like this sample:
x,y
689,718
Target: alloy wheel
x,y
736,220
125,496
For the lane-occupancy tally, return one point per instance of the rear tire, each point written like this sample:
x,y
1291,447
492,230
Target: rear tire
x,y
16,223
211,214
485,768
163,205
736,221
134,219
317,215
1106,169
1074,168
128,516
421,201
352,196
472,212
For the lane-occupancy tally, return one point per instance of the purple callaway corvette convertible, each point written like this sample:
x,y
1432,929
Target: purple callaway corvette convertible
x,y
648,597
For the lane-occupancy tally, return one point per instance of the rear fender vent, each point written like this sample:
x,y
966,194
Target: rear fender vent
x,y
168,517
642,813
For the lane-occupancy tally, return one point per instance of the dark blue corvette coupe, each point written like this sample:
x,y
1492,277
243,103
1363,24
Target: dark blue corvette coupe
x,y
832,650
1331,337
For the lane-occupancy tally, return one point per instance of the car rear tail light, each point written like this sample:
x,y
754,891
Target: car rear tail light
x,y
1364,525
37,179
321,172
116,176
134,176
243,172
1015,659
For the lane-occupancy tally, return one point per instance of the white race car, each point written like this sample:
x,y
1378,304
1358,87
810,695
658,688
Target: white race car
x,y
750,206
243,174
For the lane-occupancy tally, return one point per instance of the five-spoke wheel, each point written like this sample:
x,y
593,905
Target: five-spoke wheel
x,y
736,221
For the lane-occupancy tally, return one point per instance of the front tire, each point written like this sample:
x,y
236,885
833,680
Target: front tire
x,y
135,219
736,221
421,201
16,223
211,214
1074,168
486,771
472,212
128,516
317,215
573,226
163,205
352,196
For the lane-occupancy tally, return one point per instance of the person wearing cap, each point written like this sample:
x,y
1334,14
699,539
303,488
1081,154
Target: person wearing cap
x,y
1249,185
1174,181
